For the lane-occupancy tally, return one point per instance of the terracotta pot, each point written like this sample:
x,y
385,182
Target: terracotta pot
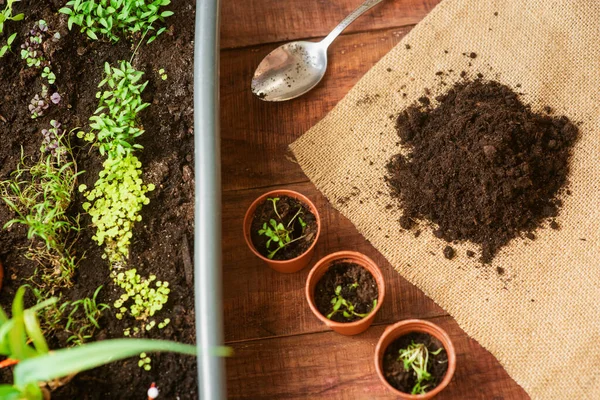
x,y
402,328
348,328
285,266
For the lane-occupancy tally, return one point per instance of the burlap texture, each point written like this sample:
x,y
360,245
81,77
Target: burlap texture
x,y
541,319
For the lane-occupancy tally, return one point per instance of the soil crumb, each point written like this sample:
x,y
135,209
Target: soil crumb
x,y
481,165
357,287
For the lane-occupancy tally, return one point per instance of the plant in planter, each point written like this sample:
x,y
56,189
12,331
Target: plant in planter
x,y
345,290
279,235
109,17
281,227
341,305
40,196
415,358
7,15
39,370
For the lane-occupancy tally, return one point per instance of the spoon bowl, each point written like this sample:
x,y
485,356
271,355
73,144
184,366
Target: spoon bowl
x,y
290,71
295,68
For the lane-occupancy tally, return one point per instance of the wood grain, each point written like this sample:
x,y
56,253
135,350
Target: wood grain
x,y
246,23
256,134
259,302
330,366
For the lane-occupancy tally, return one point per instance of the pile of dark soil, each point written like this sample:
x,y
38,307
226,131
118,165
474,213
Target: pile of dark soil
x,y
287,207
481,166
403,380
163,239
346,275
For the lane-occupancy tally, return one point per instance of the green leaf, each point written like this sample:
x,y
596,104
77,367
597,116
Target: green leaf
x,y
91,34
65,362
166,14
18,17
65,10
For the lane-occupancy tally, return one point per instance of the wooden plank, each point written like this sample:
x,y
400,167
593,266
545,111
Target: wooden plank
x,y
330,366
246,23
256,134
259,302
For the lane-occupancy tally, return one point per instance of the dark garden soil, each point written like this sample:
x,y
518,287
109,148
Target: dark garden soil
x,y
287,207
481,166
158,243
394,372
346,274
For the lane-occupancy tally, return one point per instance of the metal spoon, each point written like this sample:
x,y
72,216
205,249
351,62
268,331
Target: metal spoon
x,y
295,68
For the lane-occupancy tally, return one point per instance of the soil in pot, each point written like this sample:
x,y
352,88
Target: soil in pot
x,y
294,221
481,166
347,292
405,379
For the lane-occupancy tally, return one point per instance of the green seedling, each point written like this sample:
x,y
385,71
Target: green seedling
x,y
142,298
82,327
119,193
279,235
163,74
344,306
40,195
113,17
416,357
38,367
145,362
49,75
7,15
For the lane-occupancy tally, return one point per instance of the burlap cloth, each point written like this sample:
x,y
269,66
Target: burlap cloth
x,y
541,319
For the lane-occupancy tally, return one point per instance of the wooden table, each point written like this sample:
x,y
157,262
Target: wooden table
x,y
281,350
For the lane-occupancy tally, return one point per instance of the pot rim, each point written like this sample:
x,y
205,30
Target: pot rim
x,y
439,334
248,217
363,260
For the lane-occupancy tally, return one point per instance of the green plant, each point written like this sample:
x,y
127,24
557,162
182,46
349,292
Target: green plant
x,y
163,74
119,193
416,357
6,15
21,340
49,75
111,17
83,327
145,362
143,299
278,233
346,307
40,196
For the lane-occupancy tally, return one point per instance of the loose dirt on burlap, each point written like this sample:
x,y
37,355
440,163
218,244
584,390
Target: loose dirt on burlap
x,y
541,318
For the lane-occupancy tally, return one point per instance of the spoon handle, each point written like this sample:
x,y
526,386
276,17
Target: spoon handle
x,y
364,7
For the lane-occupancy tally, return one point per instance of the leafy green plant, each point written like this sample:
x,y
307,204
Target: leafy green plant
x,y
163,74
49,75
279,234
346,307
40,196
118,195
143,299
78,318
21,340
112,17
145,362
416,357
83,328
7,15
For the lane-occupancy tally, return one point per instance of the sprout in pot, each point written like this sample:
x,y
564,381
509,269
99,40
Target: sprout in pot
x,y
347,292
415,363
283,228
